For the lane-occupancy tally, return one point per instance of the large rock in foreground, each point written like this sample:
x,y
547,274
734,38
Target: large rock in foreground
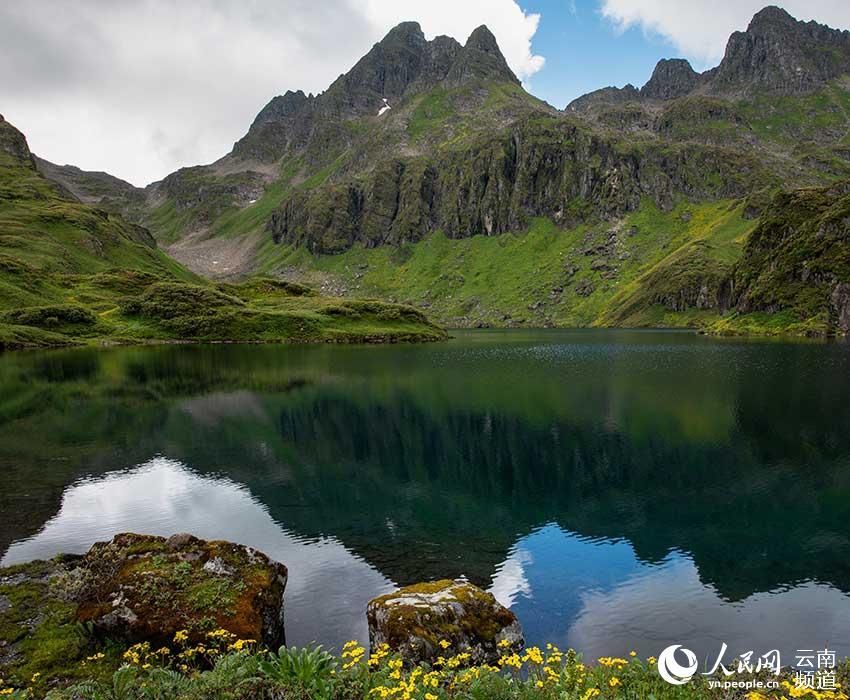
x,y
414,621
144,588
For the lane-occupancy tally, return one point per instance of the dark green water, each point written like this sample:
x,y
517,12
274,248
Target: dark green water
x,y
620,490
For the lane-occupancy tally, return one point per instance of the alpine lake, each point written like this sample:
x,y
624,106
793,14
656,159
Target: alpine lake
x,y
619,490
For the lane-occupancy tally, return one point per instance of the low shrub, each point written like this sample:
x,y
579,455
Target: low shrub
x,y
380,310
267,286
50,316
168,300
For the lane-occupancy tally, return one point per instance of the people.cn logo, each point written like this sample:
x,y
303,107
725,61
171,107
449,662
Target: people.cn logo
x,y
671,670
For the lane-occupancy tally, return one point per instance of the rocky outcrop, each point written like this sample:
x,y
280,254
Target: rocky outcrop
x,y
208,194
672,77
443,618
797,260
14,144
702,118
604,96
839,306
144,588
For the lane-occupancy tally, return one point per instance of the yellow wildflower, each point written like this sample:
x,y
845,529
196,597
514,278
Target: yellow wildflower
x,y
534,655
512,660
613,662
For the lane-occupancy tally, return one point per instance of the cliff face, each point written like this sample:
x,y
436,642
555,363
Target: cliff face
x,y
540,167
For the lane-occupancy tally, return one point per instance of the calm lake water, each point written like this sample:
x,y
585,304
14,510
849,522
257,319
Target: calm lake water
x,y
619,490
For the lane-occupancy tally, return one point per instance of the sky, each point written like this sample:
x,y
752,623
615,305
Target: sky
x,y
139,88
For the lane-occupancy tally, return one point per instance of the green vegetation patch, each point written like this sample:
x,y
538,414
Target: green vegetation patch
x,y
291,673
50,316
604,273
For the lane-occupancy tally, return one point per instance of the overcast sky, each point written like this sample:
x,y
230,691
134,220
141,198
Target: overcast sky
x,y
140,88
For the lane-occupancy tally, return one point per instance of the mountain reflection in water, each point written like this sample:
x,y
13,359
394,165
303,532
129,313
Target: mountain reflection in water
x,y
618,490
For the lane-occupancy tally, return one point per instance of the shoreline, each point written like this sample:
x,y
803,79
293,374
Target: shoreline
x,y
401,340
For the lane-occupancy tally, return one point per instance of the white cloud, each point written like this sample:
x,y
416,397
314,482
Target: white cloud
x,y
700,28
141,88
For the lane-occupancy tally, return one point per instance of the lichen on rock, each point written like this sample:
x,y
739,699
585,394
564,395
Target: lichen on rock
x,y
421,621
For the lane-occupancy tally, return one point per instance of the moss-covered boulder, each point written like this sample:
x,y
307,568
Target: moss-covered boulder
x,y
443,618
144,588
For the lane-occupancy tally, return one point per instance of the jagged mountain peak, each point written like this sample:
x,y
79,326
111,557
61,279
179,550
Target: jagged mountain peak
x,y
776,54
770,16
483,40
782,55
481,58
401,64
672,77
281,107
404,32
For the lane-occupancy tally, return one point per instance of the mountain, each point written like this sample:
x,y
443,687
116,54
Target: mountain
x,y
776,55
400,65
73,273
427,175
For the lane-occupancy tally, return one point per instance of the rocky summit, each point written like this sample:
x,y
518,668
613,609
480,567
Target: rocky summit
x,y
390,183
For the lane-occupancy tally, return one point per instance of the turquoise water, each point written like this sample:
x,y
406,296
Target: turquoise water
x,y
618,489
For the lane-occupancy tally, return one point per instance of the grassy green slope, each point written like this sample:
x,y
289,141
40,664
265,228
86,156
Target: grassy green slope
x,y
591,275
71,273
